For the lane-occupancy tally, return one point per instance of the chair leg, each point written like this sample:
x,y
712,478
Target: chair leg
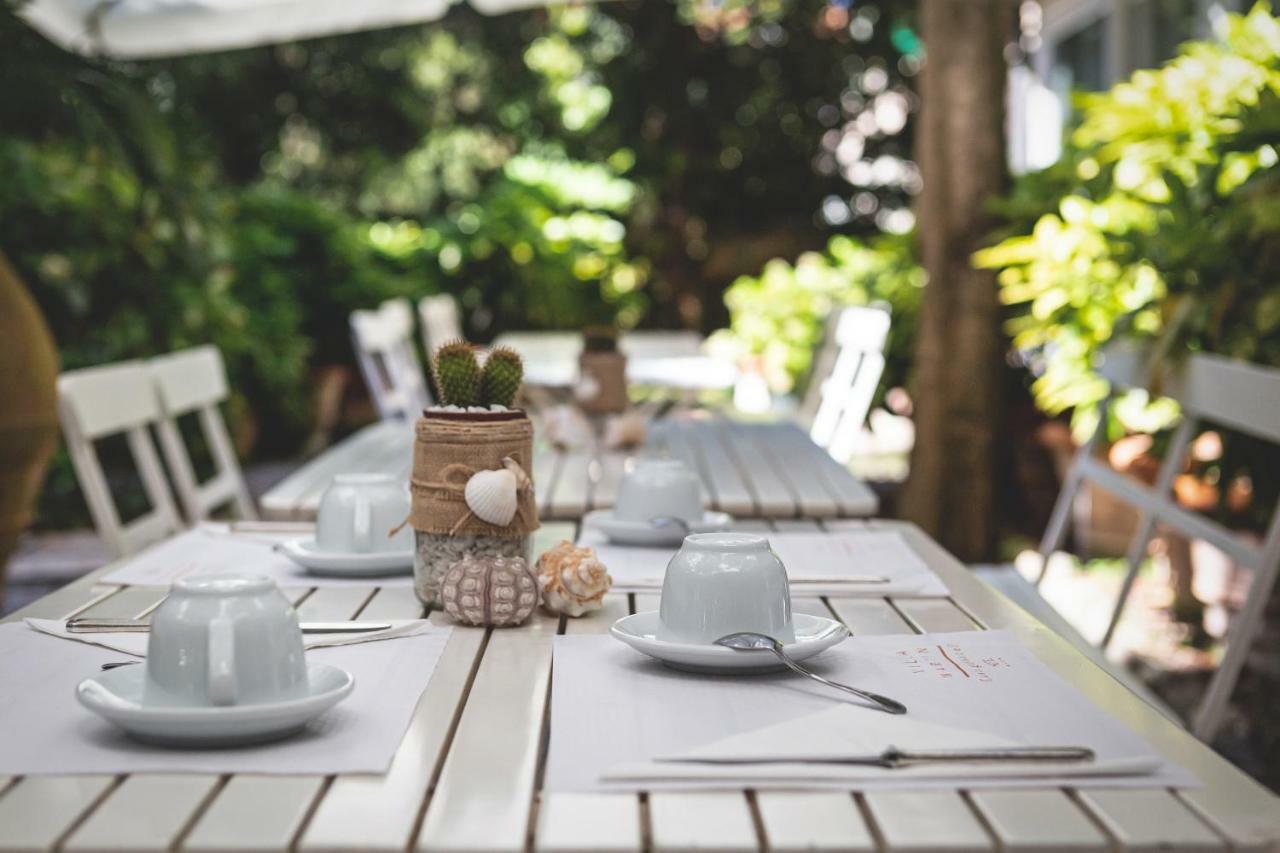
x,y
1208,717
1137,550
1059,520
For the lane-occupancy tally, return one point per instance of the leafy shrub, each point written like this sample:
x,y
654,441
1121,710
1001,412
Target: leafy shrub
x,y
1161,222
778,316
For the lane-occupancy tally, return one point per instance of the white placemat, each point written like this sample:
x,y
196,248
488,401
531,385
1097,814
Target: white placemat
x,y
613,710
211,548
44,730
816,563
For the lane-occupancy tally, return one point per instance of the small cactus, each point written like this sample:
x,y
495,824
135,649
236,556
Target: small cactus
x,y
458,374
500,381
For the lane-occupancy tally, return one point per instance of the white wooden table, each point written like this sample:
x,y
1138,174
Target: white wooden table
x,y
750,470
654,358
467,775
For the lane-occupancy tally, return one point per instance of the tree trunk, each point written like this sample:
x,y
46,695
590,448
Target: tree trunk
x,y
961,153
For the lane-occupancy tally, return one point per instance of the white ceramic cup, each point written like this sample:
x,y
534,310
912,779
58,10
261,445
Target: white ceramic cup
x,y
721,583
358,511
658,488
224,640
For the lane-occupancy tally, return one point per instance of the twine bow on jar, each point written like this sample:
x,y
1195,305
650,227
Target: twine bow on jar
x,y
491,495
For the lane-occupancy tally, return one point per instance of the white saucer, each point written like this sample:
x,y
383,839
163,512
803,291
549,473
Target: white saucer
x,y
307,554
117,695
623,532
640,631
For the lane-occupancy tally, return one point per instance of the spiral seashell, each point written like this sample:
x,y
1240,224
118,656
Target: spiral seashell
x,y
522,479
572,580
497,591
491,496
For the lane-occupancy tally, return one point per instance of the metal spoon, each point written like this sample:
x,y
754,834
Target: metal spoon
x,y
749,641
119,663
664,521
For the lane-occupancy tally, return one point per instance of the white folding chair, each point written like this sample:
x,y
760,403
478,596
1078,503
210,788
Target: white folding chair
x,y
845,374
384,348
440,321
103,401
1211,390
195,380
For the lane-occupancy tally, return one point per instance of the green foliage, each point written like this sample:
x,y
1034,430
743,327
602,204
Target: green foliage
x,y
501,378
458,374
1161,222
777,317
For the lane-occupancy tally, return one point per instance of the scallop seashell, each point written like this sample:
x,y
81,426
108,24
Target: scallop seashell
x,y
491,495
573,581
497,591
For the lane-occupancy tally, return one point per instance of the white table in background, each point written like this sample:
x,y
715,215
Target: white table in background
x,y
467,775
661,359
750,470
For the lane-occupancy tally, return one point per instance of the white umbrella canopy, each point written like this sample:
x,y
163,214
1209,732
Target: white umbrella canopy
x,y
143,29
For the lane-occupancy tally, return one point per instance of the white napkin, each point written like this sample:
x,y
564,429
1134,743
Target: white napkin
x,y
816,563
214,548
613,711
135,642
44,730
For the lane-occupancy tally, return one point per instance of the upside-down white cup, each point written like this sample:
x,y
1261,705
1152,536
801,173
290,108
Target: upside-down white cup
x,y
722,583
224,640
656,488
358,512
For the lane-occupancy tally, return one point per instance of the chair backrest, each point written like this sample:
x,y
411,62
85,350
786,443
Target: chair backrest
x,y
102,401
440,321
195,381
1211,390
384,348
846,372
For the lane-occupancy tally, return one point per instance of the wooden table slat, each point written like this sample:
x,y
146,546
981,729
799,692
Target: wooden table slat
x,y
572,495
362,812
1029,821
485,791
1149,820
701,820
869,616
38,810
774,496
796,821
911,821
726,482
146,812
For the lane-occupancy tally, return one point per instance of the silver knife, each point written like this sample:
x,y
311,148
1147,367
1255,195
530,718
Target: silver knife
x,y
894,758
87,625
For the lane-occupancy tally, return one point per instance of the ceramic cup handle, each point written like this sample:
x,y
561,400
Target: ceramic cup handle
x,y
222,656
363,531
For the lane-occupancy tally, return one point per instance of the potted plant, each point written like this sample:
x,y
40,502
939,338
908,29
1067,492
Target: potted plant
x,y
602,372
472,494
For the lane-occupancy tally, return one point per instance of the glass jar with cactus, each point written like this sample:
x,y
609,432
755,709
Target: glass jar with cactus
x,y
472,493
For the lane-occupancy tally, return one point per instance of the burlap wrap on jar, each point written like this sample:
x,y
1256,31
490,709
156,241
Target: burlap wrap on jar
x,y
605,374
449,448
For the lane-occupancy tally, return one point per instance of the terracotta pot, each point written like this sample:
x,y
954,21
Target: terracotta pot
x,y
29,416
